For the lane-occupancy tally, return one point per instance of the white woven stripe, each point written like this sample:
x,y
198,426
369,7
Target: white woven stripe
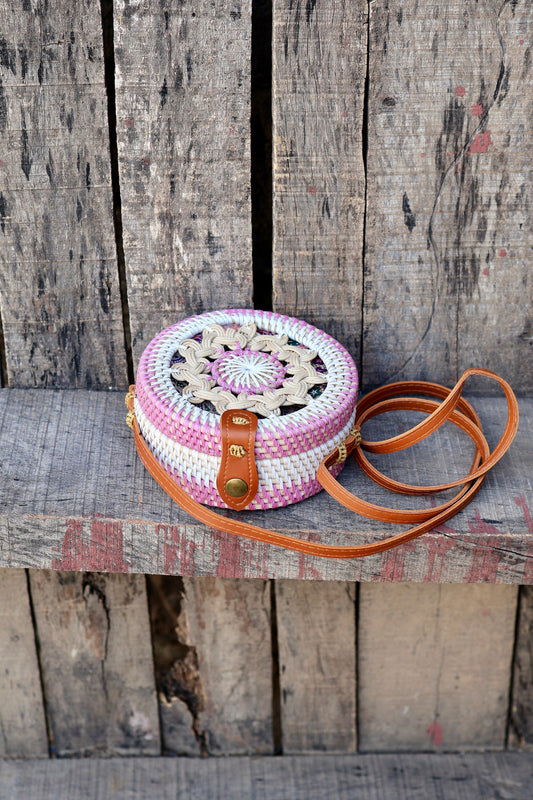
x,y
275,473
328,349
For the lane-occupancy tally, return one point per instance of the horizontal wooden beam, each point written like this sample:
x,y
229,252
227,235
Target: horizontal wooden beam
x,y
476,776
74,496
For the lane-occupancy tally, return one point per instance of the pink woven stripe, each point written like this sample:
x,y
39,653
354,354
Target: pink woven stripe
x,y
207,494
203,439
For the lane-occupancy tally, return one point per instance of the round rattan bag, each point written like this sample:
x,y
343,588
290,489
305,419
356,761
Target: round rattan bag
x,y
298,381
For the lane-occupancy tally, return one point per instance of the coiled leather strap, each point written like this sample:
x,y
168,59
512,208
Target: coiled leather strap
x,y
451,407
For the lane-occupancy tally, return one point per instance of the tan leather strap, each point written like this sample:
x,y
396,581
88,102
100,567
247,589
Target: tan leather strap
x,y
453,408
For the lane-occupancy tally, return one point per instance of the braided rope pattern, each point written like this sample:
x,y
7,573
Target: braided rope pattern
x,y
181,433
250,374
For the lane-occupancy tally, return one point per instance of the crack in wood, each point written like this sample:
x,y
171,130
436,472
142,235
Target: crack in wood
x,y
109,73
93,586
455,538
175,661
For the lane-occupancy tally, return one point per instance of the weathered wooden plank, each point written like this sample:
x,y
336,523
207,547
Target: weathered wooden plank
x,y
22,721
319,67
316,636
183,110
449,197
480,776
434,666
74,496
228,624
521,717
96,663
59,290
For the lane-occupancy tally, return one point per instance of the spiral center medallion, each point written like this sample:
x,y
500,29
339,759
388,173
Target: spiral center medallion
x,y
248,371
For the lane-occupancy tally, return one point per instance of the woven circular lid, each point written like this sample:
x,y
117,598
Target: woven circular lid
x,y
301,383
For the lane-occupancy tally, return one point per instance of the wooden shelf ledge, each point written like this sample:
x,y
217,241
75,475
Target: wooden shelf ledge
x,y
74,496
477,776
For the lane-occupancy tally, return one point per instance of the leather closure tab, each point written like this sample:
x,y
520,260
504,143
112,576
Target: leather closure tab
x,y
237,480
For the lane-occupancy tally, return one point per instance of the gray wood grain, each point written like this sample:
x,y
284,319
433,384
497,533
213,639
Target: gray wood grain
x,y
96,663
74,496
319,68
228,624
22,721
59,291
449,197
487,776
521,716
183,110
316,637
434,666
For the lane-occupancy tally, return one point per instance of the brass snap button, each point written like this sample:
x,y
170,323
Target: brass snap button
x,y
236,487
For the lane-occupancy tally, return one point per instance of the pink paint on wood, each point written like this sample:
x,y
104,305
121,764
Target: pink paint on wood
x,y
72,556
503,252
434,731
227,551
485,560
305,570
486,271
106,547
187,551
460,91
169,534
178,551
311,189
437,558
522,503
103,552
392,566
481,143
476,109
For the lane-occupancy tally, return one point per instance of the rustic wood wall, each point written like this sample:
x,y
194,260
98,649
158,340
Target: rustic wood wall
x,y
259,667
400,218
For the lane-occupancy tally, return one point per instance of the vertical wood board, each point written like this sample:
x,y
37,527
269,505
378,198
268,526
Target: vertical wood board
x,y
319,68
183,111
434,666
521,717
495,322
316,635
229,627
59,290
96,663
22,720
449,223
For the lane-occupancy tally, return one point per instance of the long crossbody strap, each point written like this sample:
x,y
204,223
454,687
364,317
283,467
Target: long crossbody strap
x,y
453,408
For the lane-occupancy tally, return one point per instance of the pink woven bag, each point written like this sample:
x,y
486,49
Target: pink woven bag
x,y
299,381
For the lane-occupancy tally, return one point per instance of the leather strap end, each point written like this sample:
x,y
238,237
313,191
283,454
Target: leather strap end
x,y
237,479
